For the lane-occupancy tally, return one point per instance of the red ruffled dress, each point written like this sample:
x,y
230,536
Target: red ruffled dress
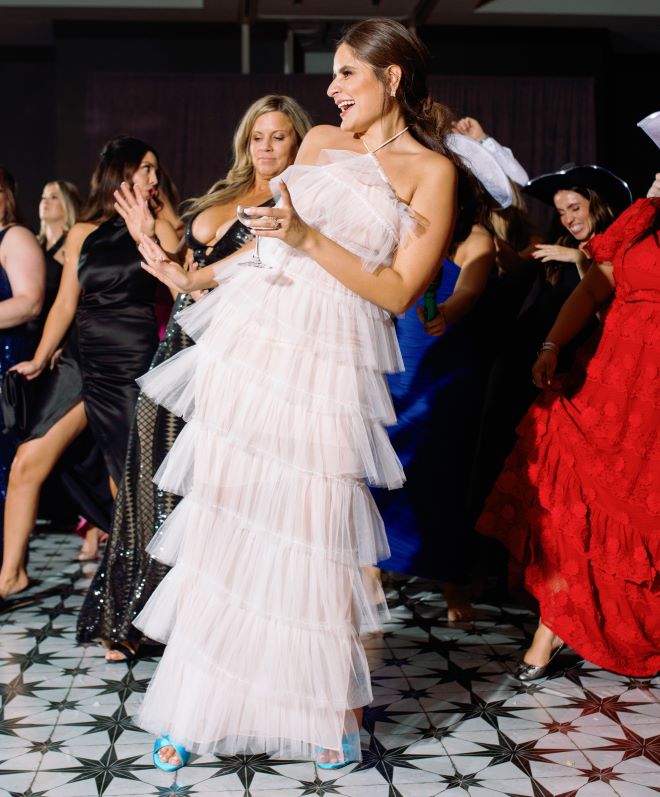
x,y
578,501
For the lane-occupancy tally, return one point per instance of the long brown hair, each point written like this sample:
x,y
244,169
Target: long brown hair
x,y
119,160
8,184
601,216
241,175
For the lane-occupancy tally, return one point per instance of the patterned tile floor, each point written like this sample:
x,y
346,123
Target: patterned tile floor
x,y
448,717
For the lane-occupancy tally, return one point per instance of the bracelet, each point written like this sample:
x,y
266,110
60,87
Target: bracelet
x,y
484,139
548,345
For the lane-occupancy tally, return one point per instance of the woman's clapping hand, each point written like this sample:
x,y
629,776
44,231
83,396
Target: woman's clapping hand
x,y
158,264
133,207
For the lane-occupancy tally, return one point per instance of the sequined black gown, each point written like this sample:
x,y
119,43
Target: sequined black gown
x,y
128,575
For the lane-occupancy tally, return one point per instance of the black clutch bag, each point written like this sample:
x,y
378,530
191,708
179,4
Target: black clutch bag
x,y
15,397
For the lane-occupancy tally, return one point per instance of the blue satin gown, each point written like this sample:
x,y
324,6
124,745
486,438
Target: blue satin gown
x,y
437,401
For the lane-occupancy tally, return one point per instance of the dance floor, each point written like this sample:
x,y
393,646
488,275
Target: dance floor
x,y
448,717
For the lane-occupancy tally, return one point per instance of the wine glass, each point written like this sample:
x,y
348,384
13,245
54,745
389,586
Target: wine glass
x,y
247,219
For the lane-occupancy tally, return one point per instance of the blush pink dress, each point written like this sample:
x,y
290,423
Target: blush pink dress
x,y
286,401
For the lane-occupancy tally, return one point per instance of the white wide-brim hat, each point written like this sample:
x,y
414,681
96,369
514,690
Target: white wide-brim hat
x,y
651,126
483,166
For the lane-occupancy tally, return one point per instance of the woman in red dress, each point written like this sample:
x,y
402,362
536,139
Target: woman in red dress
x,y
578,501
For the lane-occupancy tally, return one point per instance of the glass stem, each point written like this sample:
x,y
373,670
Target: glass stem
x,y
256,249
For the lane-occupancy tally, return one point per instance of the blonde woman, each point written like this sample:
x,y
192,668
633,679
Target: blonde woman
x,y
265,143
58,212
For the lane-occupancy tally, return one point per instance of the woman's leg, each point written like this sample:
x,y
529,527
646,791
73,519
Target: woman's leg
x,y
114,654
337,756
93,537
459,608
543,645
33,462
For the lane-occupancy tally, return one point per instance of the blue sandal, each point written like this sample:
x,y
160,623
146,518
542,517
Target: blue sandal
x,y
164,741
347,746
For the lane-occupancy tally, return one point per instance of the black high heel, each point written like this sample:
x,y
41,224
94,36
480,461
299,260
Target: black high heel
x,y
530,672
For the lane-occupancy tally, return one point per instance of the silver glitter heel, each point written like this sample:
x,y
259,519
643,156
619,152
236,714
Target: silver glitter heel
x,y
530,672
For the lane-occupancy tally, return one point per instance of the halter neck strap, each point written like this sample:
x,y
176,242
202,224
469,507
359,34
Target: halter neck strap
x,y
385,143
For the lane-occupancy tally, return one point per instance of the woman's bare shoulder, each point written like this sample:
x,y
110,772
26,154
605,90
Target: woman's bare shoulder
x,y
80,231
77,234
323,137
433,164
17,235
19,243
429,174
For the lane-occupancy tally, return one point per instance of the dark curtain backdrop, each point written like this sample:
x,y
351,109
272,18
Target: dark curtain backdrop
x,y
190,118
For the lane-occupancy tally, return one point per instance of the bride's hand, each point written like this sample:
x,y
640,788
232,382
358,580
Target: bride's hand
x,y
133,207
157,263
282,222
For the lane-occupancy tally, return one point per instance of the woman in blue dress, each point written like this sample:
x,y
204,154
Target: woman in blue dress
x,y
22,283
437,398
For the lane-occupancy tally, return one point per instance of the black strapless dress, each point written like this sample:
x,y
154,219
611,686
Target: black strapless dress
x,y
127,575
117,335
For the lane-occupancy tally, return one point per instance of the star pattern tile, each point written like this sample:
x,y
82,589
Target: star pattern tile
x,y
447,714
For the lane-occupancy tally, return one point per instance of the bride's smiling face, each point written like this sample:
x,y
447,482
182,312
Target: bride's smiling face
x,y
356,91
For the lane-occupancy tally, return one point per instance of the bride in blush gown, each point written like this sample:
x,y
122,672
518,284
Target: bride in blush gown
x,y
286,403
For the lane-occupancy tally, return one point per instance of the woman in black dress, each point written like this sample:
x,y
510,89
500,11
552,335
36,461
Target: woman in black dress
x,y
112,300
265,143
58,212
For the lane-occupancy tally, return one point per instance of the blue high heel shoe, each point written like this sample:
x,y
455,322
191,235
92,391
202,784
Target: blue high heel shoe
x,y
164,741
348,744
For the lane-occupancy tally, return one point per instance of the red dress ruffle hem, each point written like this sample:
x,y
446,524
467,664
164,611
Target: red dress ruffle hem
x,y
578,501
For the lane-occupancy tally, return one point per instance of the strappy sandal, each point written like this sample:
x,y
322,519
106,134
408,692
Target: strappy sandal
x,y
129,654
348,744
164,741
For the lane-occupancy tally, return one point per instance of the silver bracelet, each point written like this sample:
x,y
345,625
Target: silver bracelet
x,y
548,345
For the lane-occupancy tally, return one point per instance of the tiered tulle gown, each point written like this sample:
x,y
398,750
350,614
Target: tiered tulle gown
x,y
286,401
578,501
